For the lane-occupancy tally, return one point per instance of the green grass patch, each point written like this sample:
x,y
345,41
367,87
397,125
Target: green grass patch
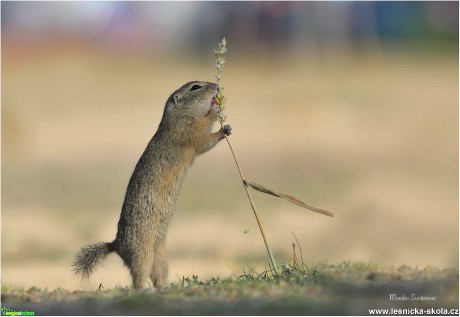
x,y
323,289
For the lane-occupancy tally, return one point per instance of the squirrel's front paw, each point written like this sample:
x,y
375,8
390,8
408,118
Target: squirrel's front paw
x,y
226,130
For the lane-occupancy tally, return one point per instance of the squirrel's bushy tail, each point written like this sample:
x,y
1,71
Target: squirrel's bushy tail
x,y
89,257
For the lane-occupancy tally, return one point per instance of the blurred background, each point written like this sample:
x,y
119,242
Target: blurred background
x,y
349,106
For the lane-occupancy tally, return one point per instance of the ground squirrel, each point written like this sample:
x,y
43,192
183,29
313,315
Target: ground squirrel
x,y
183,134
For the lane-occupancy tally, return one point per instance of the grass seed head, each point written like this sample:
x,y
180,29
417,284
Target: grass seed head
x,y
220,61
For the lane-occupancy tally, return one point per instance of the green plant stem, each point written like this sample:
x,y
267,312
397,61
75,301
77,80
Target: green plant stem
x,y
251,201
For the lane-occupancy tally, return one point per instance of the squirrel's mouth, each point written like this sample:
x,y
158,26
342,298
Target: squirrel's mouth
x,y
214,100
212,103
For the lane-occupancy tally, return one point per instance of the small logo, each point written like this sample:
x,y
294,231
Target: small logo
x,y
9,312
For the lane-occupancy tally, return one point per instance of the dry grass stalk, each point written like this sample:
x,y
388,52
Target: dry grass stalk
x,y
220,60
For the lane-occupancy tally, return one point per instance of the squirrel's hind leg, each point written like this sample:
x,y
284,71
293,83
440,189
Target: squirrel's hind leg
x,y
159,269
140,269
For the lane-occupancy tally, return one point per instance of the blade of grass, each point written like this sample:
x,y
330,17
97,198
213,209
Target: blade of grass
x,y
300,249
289,198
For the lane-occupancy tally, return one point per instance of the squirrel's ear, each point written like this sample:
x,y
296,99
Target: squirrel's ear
x,y
177,98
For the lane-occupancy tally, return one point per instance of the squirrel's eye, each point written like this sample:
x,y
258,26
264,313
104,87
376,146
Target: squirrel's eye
x,y
195,87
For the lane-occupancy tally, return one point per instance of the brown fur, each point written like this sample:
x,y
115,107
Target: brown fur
x,y
183,134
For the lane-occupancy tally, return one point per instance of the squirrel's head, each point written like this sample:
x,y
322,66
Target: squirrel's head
x,y
194,98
